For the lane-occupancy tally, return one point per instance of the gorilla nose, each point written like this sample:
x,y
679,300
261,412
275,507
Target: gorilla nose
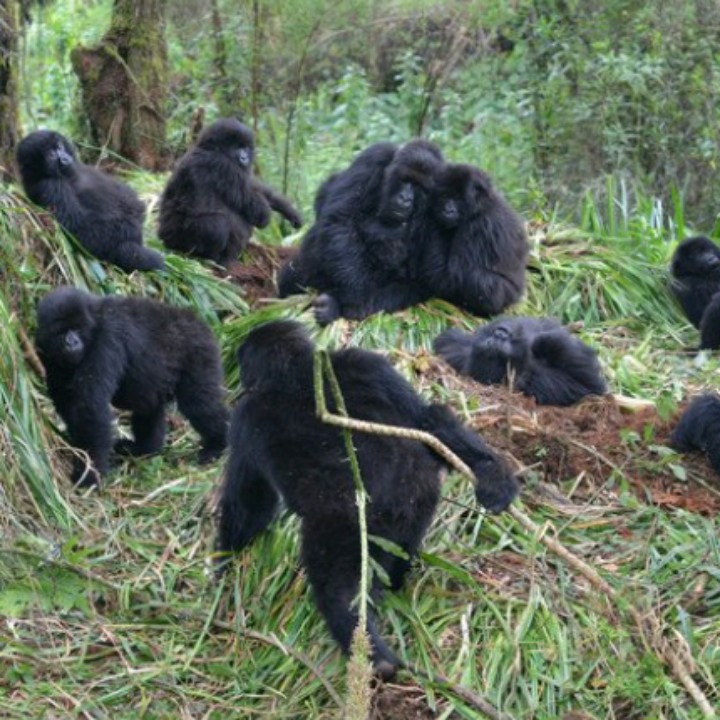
x,y
406,196
244,157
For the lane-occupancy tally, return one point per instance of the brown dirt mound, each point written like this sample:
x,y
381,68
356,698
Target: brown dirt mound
x,y
400,702
255,273
591,441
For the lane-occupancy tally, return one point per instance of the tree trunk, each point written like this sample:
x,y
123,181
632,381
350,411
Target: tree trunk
x,y
9,123
124,81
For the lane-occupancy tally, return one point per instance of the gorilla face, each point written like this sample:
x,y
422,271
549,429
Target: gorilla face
x,y
408,180
230,138
66,325
462,193
696,256
45,154
496,347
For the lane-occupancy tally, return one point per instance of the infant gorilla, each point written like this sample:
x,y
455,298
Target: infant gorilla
x,y
546,361
137,355
279,448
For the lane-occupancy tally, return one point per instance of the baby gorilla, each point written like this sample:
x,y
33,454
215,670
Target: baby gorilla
x,y
137,355
474,244
279,448
699,429
212,201
547,362
695,273
103,214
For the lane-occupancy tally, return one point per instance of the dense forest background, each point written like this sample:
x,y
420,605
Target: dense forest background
x,y
600,123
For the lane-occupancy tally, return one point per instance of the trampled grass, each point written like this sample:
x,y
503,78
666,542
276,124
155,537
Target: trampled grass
x,y
109,608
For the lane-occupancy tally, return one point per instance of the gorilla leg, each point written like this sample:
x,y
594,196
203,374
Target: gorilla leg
x,y
331,555
131,256
199,399
247,506
148,433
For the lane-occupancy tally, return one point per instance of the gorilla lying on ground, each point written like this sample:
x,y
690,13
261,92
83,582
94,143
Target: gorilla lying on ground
x,y
474,247
137,355
279,448
358,252
212,201
699,429
102,213
695,270
545,361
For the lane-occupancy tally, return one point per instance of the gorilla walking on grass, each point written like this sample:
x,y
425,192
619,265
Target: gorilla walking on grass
x,y
544,360
280,449
105,215
137,355
212,202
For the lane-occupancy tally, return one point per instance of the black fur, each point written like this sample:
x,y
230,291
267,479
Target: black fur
x,y
137,355
699,429
102,213
695,270
710,325
475,248
357,254
543,359
212,201
279,448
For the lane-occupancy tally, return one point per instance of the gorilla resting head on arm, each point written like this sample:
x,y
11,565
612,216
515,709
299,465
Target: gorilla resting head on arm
x,y
137,355
546,361
695,271
280,449
105,215
212,200
475,248
699,429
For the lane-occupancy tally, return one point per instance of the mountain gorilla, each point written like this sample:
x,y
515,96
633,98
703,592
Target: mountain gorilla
x,y
699,429
358,253
474,247
102,213
695,270
280,449
212,201
546,361
137,355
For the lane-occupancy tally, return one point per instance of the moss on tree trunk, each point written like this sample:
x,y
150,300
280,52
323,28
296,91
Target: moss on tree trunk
x,y
124,81
9,123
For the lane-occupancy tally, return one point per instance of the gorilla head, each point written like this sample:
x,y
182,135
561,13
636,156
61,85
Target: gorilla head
x,y
230,138
45,154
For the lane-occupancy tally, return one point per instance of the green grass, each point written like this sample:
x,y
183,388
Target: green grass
x,y
108,605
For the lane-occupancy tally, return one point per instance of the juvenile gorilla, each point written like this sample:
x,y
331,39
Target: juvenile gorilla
x,y
212,201
358,253
103,214
699,429
547,362
475,248
279,448
695,270
137,355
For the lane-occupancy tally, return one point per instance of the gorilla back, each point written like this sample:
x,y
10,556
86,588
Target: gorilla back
x,y
105,215
279,448
137,355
